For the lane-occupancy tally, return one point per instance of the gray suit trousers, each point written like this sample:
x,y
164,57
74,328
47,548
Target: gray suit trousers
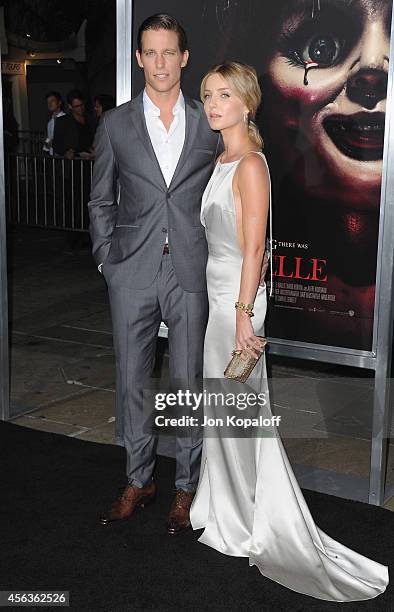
x,y
136,318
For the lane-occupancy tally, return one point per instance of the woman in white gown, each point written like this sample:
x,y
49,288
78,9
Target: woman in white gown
x,y
248,500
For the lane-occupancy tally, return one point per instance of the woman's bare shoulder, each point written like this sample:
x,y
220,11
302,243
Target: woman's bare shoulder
x,y
253,166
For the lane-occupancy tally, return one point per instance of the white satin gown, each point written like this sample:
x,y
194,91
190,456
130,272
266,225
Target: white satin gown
x,y
248,500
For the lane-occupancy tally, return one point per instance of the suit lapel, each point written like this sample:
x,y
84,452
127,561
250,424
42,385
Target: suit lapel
x,y
139,123
192,118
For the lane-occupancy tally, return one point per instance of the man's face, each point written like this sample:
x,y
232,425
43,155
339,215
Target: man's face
x,y
53,104
77,106
161,59
334,124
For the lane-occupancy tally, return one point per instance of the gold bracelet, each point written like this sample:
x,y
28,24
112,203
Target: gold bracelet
x,y
247,308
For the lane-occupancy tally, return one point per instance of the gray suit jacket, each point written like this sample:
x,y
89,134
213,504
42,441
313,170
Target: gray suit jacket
x,y
128,233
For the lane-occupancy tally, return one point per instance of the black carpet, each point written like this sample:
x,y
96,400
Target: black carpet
x,y
52,490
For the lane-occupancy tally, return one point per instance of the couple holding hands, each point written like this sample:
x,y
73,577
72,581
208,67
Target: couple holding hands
x,y
179,206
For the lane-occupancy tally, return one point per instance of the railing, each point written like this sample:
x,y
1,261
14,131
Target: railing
x,y
31,142
50,192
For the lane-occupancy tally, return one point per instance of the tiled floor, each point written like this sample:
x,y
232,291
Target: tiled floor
x,y
63,374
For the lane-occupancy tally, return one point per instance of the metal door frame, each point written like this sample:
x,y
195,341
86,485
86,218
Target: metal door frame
x,y
4,352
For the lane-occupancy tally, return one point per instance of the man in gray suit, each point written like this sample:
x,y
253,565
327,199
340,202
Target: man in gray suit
x,y
154,157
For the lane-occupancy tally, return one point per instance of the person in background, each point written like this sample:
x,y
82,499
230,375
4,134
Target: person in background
x,y
55,108
102,103
73,134
10,128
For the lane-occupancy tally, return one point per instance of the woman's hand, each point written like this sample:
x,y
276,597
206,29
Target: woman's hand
x,y
245,336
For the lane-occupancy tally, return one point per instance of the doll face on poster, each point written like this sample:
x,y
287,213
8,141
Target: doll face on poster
x,y
326,95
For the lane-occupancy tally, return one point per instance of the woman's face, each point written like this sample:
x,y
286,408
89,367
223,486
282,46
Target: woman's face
x,y
329,132
224,109
98,109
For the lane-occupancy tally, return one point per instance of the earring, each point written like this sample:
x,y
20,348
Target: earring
x,y
246,115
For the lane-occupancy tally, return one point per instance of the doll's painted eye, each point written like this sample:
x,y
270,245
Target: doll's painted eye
x,y
323,49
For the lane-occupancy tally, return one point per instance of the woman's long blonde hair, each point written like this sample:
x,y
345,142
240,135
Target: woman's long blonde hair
x,y
243,80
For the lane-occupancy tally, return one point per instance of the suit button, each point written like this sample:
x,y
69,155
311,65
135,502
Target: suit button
x,y
164,230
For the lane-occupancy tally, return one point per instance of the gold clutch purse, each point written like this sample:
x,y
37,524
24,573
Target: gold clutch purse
x,y
242,364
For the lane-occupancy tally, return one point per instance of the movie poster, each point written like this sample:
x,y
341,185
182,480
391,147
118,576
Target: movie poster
x,y
323,67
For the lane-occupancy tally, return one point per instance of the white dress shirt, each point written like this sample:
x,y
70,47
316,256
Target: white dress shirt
x,y
50,131
166,145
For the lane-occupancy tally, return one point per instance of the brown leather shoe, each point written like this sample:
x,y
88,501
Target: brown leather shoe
x,y
132,497
179,517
